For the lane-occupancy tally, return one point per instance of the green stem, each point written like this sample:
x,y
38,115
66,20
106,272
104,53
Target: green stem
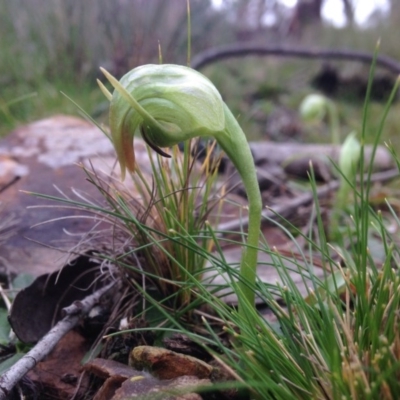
x,y
235,144
333,122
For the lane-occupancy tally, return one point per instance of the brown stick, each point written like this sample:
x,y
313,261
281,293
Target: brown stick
x,y
287,209
239,50
73,313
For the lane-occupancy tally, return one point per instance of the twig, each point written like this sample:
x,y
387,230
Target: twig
x,y
5,299
288,208
239,50
73,313
10,183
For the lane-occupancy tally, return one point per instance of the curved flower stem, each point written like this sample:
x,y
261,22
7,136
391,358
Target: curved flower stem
x,y
239,152
248,262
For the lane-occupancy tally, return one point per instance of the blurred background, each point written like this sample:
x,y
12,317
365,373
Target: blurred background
x,y
53,46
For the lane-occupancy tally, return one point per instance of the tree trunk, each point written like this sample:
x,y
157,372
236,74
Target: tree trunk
x,y
349,11
306,12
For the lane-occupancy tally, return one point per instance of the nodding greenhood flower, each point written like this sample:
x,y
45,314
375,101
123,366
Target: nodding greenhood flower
x,y
169,104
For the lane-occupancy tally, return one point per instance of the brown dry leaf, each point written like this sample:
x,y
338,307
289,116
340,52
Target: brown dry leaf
x,y
38,307
60,373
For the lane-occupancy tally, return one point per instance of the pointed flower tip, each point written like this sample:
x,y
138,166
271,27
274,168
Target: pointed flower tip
x,y
110,78
125,169
124,172
104,90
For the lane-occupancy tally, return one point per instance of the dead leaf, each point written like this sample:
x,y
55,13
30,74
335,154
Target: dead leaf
x,y
38,307
60,372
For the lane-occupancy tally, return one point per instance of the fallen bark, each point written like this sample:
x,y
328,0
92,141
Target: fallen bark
x,y
295,158
73,314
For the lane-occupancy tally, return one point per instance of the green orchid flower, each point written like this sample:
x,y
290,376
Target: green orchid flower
x,y
315,107
169,104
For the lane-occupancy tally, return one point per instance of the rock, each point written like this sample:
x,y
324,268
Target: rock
x,y
123,382
167,364
114,374
104,369
181,388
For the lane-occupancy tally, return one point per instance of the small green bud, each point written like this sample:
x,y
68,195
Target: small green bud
x,y
313,108
349,155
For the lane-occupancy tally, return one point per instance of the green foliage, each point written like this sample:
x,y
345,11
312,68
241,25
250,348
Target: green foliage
x,y
341,340
170,223
48,47
4,327
24,102
58,46
9,344
71,40
21,281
